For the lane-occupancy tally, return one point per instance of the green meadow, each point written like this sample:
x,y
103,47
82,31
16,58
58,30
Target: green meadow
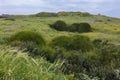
x,y
31,50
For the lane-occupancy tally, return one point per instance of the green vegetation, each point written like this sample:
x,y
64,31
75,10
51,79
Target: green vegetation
x,y
80,27
59,25
59,46
28,36
46,14
21,66
75,27
27,39
76,42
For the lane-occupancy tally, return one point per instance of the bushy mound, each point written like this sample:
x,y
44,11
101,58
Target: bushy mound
x,y
28,36
80,27
59,25
62,41
76,42
27,40
75,27
82,43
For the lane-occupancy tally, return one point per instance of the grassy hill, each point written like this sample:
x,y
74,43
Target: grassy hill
x,y
104,28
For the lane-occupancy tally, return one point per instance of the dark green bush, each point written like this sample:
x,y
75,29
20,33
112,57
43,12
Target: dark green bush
x,y
59,25
75,27
82,43
78,42
27,40
85,27
61,41
80,27
26,36
72,47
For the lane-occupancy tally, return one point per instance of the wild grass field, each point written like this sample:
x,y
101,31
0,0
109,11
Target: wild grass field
x,y
32,50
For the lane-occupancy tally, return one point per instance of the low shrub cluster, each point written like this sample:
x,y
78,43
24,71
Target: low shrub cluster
x,y
28,36
66,48
76,42
75,27
59,25
27,39
80,27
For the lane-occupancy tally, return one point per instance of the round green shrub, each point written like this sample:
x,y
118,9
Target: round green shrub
x,y
85,27
76,42
80,27
26,40
28,36
61,41
59,25
82,43
74,27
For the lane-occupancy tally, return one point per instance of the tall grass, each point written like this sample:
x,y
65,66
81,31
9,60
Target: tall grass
x,y
22,67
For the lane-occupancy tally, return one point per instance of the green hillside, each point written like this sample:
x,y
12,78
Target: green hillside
x,y
93,55
103,27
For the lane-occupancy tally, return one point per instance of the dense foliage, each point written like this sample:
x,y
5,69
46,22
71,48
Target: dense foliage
x,y
80,27
28,36
27,40
83,59
75,27
23,67
59,25
76,42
